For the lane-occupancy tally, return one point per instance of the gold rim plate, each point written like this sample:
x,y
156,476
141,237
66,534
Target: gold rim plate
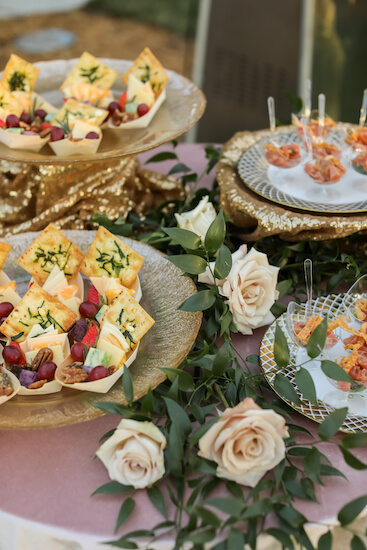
x,y
323,304
253,171
165,345
183,107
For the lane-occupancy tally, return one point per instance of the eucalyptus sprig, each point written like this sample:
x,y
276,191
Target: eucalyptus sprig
x,y
215,376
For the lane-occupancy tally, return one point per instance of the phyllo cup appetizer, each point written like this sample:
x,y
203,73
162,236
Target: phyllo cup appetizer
x,y
51,248
145,93
25,116
9,385
9,298
90,81
77,129
37,332
98,360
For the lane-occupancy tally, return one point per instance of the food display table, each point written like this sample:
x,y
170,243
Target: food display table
x,y
48,476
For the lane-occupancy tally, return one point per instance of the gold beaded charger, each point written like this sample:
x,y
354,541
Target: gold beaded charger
x,y
256,217
165,345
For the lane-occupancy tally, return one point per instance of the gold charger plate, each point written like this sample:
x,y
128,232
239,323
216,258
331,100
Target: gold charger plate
x,y
331,304
165,345
183,107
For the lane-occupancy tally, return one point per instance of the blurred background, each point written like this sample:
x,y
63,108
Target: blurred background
x,y
238,51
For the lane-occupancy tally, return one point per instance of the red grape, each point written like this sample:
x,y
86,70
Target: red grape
x,y
41,113
5,309
12,355
12,121
57,134
112,107
97,373
92,135
142,109
77,352
88,310
26,117
47,371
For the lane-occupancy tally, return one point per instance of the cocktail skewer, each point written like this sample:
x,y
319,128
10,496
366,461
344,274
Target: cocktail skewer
x,y
321,114
271,110
362,116
308,99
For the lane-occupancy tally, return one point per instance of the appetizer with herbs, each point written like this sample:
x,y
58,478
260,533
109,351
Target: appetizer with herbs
x,y
145,93
359,163
323,149
357,138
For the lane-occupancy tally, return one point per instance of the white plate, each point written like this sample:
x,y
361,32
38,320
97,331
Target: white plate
x,y
293,187
353,423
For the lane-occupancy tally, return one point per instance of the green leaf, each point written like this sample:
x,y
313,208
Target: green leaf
x,y
284,387
351,511
109,408
185,380
327,470
281,351
235,540
202,300
113,488
282,537
230,506
208,517
352,460
216,234
225,321
283,287
189,263
184,237
125,512
201,431
332,423
311,464
202,536
176,413
174,452
325,541
127,384
306,385
147,403
335,371
354,441
156,497
259,508
223,262
165,155
123,542
357,544
213,155
291,516
221,360
317,340
179,168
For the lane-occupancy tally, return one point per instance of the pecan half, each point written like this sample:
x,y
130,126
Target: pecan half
x,y
37,384
92,323
44,355
112,369
72,375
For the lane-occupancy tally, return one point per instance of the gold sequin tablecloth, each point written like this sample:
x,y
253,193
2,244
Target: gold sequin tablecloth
x,y
31,196
256,217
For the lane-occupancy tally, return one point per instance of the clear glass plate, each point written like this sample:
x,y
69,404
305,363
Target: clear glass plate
x,y
165,345
183,107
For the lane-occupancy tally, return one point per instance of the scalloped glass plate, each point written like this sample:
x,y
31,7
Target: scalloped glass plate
x,y
291,187
183,107
353,423
165,345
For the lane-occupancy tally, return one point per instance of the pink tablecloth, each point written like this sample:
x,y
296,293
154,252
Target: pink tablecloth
x,y
49,475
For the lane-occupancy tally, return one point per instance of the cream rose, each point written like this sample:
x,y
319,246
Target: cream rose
x,y
246,442
199,219
250,289
133,455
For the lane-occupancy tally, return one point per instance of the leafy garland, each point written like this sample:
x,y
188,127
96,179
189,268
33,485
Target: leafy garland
x,y
214,375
